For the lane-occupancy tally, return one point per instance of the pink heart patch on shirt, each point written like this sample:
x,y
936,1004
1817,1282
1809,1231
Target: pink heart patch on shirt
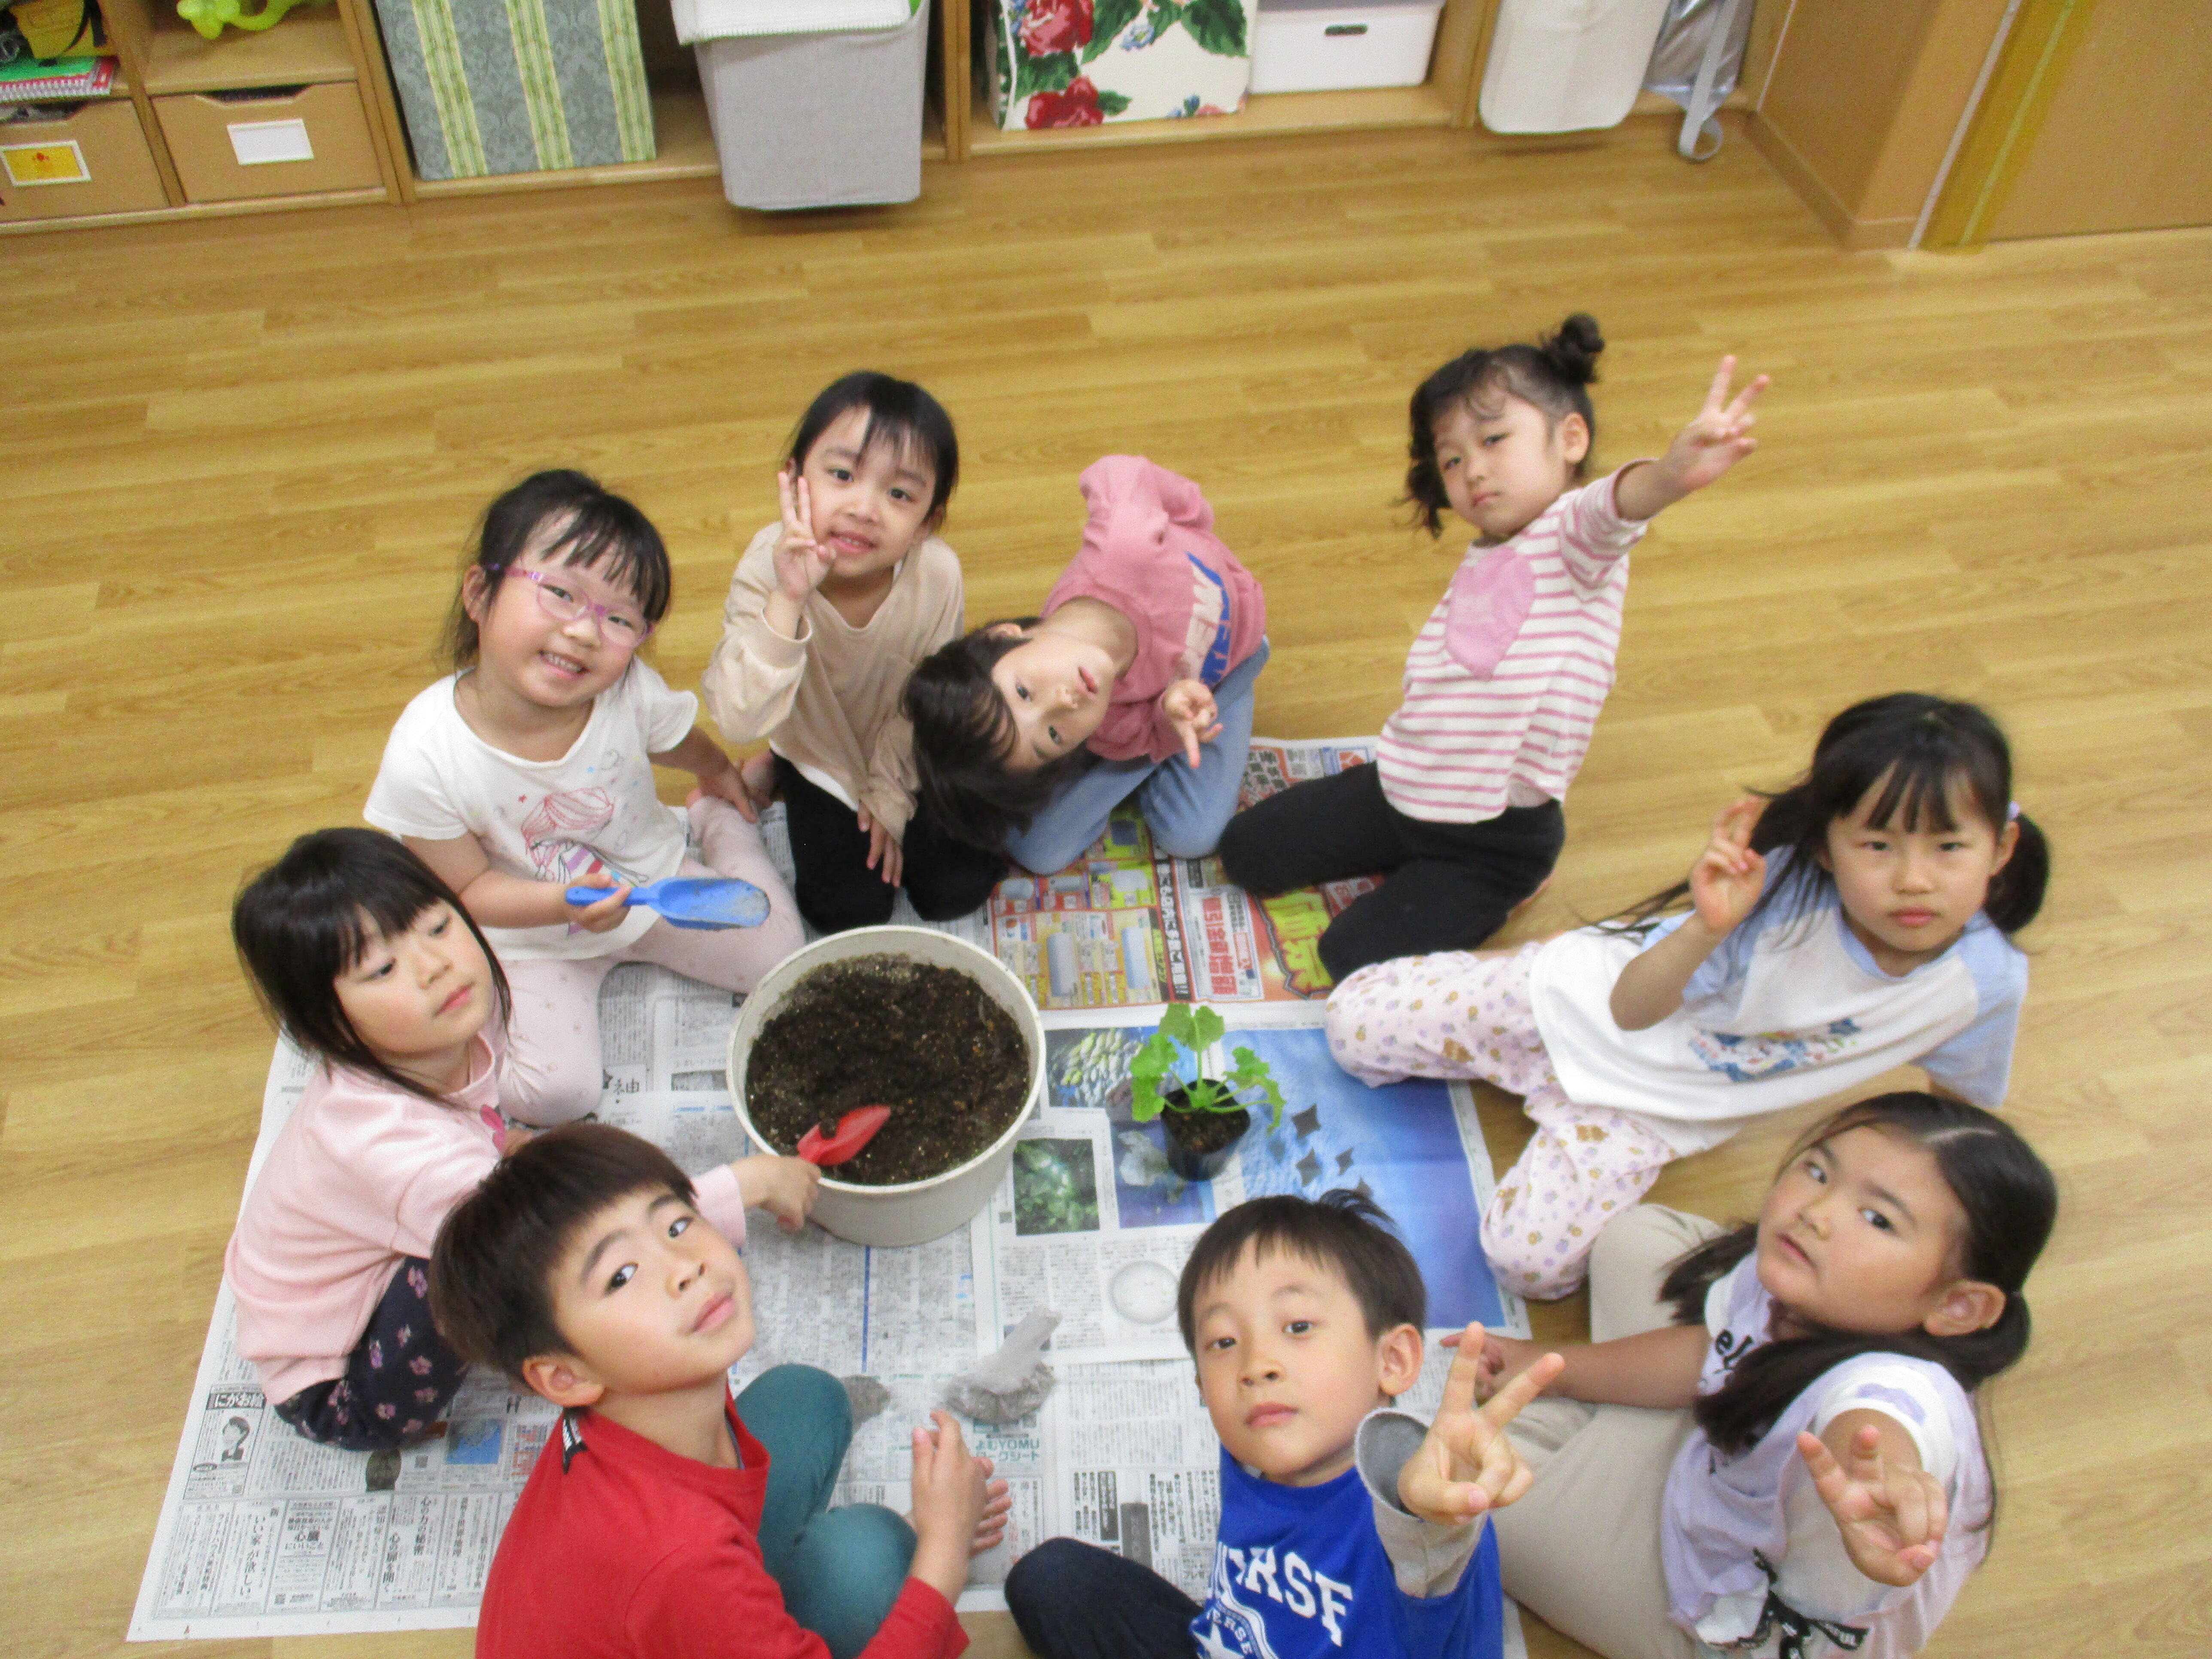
x,y
1489,601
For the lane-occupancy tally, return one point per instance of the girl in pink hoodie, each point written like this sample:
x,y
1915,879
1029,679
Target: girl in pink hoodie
x,y
1137,680
370,964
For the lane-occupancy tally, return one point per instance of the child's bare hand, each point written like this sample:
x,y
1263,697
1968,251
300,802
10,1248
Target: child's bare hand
x,y
602,916
728,783
785,1187
1717,437
885,854
998,1508
1190,709
801,562
1728,878
950,1489
1892,1515
1501,1357
1466,1465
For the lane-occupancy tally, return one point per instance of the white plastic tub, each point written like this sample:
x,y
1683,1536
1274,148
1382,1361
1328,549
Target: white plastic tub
x,y
916,1211
1326,45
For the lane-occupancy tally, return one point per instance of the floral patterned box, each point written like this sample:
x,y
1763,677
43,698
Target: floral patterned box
x,y
1078,63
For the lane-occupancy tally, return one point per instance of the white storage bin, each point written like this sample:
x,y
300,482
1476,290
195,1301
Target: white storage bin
x,y
826,119
1327,45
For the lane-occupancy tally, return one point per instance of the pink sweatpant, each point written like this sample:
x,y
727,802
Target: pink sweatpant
x,y
553,1074
1466,1014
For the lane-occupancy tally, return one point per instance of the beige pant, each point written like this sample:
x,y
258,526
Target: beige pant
x,y
1581,1551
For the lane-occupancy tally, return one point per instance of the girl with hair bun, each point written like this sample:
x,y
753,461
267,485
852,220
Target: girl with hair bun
x,y
1505,682
1770,1446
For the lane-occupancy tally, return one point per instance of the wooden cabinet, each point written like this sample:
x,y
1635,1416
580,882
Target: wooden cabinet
x,y
174,87
330,61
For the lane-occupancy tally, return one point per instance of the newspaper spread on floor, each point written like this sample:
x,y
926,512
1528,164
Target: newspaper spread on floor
x,y
1091,1223
263,1533
1126,926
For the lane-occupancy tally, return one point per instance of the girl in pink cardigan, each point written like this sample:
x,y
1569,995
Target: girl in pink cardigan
x,y
1136,681
368,962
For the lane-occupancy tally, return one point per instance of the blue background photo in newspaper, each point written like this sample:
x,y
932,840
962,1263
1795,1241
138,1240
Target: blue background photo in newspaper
x,y
1400,1143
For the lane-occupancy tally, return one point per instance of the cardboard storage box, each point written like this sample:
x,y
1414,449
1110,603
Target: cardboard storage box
x,y
1326,45
268,141
528,86
93,160
829,119
1078,63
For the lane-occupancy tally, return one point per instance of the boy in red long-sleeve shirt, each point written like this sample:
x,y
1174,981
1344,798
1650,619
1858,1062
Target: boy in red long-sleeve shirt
x,y
666,1519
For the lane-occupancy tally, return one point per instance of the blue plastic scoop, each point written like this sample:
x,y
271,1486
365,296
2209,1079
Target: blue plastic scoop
x,y
701,901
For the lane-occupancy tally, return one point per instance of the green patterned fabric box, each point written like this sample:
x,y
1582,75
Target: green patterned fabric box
x,y
518,86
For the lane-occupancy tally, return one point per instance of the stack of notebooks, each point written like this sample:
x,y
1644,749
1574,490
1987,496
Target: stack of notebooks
x,y
65,77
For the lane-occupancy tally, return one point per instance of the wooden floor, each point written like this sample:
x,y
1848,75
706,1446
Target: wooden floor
x,y
240,458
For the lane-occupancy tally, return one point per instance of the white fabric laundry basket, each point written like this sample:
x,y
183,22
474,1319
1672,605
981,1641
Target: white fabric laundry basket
x,y
813,103
1567,65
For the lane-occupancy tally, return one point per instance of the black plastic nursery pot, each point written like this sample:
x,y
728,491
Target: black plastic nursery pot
x,y
1200,1143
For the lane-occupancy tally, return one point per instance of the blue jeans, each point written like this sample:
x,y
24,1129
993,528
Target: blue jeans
x,y
839,1570
1184,809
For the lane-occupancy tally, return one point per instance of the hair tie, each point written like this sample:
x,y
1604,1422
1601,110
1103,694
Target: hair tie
x,y
2011,811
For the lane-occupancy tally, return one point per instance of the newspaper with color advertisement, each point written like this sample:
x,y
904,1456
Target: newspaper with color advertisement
x,y
1127,926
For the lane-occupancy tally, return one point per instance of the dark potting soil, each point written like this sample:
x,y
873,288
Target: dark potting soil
x,y
887,1030
1203,1132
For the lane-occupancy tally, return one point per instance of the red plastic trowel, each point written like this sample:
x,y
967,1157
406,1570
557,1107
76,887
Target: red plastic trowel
x,y
854,1130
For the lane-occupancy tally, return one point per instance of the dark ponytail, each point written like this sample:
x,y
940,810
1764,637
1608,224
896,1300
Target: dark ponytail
x,y
1920,751
2010,1202
1552,375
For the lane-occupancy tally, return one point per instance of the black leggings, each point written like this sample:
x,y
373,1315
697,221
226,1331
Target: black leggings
x,y
1074,1600
398,1380
1448,886
836,887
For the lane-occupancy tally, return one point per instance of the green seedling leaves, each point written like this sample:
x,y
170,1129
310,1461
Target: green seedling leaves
x,y
1154,1074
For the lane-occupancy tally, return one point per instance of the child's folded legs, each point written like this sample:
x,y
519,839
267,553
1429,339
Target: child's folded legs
x,y
1585,1165
1075,1601
839,1570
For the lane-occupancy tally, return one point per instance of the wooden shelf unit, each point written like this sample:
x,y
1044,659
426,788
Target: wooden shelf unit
x,y
1446,98
309,46
162,56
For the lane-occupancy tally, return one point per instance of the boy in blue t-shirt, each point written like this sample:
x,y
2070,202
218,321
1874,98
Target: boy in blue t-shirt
x,y
1347,1528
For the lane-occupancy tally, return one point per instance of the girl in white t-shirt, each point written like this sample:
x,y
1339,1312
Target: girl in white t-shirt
x,y
1857,922
1790,1464
529,770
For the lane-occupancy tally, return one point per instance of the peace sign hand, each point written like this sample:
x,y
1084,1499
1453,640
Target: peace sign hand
x,y
1718,437
1466,1465
1892,1515
801,562
1192,712
1728,878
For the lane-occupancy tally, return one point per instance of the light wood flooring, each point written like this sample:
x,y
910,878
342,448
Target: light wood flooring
x,y
240,458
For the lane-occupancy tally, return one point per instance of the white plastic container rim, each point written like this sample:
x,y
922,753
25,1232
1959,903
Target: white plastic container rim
x,y
925,944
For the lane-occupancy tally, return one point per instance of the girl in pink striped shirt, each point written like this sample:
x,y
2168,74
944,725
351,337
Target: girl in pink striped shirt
x,y
1504,683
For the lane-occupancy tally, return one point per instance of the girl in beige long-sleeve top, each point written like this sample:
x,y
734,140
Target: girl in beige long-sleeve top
x,y
828,611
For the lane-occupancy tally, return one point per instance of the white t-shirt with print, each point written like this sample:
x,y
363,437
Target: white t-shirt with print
x,y
1789,1009
1720,1512
593,810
